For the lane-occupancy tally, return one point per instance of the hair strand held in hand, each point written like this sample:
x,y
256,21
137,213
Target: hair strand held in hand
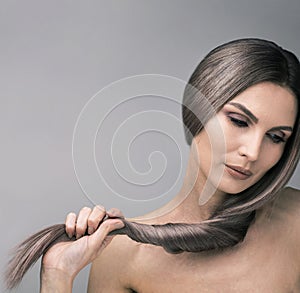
x,y
223,74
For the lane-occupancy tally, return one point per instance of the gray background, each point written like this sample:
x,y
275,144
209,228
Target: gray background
x,y
55,55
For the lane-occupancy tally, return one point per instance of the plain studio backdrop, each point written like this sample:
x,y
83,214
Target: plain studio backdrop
x,y
129,149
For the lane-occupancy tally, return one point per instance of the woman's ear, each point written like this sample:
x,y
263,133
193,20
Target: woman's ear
x,y
194,148
196,140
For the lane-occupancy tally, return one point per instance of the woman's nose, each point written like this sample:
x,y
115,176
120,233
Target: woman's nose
x,y
251,148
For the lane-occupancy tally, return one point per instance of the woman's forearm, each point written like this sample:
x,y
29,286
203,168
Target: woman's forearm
x,y
55,281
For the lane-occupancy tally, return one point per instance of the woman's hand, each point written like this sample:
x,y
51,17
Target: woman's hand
x,y
70,257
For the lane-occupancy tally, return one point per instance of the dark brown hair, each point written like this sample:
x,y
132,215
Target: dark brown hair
x,y
224,73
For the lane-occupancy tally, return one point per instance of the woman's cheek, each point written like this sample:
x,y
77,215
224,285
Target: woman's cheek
x,y
271,157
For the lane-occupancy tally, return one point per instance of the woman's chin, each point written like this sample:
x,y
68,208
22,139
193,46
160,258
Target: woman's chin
x,y
232,188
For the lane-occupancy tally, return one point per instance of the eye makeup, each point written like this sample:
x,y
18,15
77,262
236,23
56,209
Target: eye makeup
x,y
242,121
250,117
245,110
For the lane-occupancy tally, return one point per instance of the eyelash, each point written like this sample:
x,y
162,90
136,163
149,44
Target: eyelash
x,y
240,123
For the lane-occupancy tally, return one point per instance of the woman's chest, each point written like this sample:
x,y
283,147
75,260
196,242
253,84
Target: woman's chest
x,y
257,269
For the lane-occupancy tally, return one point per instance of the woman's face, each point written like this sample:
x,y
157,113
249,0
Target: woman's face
x,y
256,125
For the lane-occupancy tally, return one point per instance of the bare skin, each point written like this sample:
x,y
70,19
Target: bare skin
x,y
268,260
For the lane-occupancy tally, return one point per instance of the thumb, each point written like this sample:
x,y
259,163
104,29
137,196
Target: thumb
x,y
104,229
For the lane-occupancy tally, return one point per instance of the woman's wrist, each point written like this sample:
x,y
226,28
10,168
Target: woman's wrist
x,y
55,281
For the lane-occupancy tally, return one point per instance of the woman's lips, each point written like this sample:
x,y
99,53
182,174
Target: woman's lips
x,y
238,172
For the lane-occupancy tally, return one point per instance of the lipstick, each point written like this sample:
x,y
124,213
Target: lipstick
x,y
238,172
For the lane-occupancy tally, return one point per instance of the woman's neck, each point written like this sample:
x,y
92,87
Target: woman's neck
x,y
195,201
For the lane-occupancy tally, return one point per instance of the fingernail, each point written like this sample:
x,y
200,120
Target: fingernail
x,y
119,225
90,230
78,236
110,213
70,235
101,208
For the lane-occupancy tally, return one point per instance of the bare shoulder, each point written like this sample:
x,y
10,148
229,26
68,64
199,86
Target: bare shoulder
x,y
288,202
111,271
285,209
286,219
292,192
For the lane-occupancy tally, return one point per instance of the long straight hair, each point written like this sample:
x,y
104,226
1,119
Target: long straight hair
x,y
224,73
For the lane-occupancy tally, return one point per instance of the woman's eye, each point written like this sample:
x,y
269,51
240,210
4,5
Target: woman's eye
x,y
238,122
275,138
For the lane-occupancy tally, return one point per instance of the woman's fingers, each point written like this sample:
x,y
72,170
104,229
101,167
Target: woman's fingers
x,y
115,213
100,238
96,216
72,256
88,220
70,224
81,223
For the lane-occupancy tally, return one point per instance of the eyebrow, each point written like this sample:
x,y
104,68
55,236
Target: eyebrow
x,y
287,128
255,119
245,110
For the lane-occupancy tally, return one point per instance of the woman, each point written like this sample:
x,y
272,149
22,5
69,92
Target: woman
x,y
245,237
